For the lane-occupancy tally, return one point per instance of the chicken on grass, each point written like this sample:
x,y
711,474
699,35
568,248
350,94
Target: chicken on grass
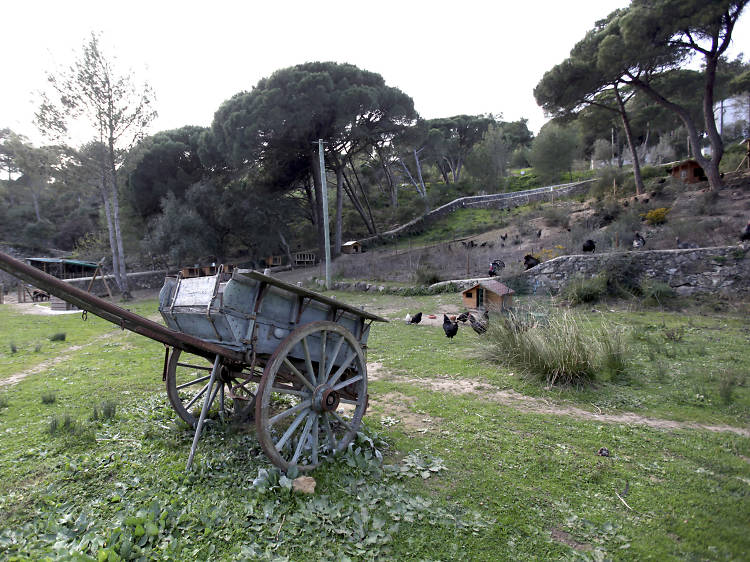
x,y
450,328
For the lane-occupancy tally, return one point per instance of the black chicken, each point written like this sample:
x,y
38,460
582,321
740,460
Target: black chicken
x,y
463,317
476,325
745,235
589,246
450,328
416,319
638,240
530,261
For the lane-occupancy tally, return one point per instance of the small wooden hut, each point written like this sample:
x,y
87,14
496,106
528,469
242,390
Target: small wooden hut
x,y
351,247
488,295
689,171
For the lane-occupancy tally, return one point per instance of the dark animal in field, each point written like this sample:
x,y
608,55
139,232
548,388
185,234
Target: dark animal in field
x,y
450,328
745,234
625,203
504,236
416,319
539,233
496,267
589,246
530,261
463,317
476,325
638,240
483,244
39,295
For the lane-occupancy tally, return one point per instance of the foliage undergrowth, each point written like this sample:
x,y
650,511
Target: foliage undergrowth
x,y
560,350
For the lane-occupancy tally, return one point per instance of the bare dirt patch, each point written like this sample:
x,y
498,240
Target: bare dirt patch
x,y
531,404
566,538
44,365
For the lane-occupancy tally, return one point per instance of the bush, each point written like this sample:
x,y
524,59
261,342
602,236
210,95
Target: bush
x,y
565,350
555,216
582,290
622,274
60,336
425,275
48,397
656,292
656,216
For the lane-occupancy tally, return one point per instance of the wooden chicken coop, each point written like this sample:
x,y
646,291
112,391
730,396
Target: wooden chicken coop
x,y
688,171
486,295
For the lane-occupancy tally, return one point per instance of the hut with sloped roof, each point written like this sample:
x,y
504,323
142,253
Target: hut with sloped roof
x,y
485,295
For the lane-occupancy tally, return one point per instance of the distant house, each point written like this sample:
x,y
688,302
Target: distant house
x,y
351,247
488,294
689,171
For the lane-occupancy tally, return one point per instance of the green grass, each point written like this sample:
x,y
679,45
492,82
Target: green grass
x,y
501,483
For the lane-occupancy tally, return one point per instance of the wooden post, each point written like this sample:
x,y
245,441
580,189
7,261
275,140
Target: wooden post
x,y
2,292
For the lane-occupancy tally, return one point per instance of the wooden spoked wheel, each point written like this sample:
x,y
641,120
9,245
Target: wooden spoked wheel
x,y
188,376
312,396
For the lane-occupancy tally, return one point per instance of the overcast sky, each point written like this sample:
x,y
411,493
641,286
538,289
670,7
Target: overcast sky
x,y
451,57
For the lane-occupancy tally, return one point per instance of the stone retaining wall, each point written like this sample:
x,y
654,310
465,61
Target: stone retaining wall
x,y
724,269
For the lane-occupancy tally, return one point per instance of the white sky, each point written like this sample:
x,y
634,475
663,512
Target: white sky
x,y
451,57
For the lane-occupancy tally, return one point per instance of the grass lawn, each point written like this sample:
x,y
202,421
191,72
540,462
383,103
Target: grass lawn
x,y
465,474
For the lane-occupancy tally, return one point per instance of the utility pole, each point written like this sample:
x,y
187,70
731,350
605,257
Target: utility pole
x,y
326,233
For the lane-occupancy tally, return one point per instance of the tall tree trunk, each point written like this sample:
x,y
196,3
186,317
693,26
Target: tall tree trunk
x,y
123,281
339,210
631,142
111,231
364,196
315,162
711,166
285,245
411,178
419,171
357,205
35,200
443,172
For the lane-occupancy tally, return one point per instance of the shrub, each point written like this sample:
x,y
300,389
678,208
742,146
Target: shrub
x,y
555,216
622,274
727,382
656,216
48,397
66,424
425,275
60,336
582,290
13,348
564,350
656,292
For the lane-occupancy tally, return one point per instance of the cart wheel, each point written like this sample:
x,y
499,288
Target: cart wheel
x,y
187,385
308,407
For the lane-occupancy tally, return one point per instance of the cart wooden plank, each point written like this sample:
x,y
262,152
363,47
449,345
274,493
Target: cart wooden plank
x,y
257,276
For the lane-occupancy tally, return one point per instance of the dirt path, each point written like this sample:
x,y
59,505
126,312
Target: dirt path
x,y
531,404
62,357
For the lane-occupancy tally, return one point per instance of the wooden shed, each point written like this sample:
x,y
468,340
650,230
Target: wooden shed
x,y
351,247
488,294
689,171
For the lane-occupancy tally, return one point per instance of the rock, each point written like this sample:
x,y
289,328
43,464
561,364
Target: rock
x,y
304,484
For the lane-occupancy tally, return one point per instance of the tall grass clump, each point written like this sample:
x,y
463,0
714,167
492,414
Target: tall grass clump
x,y
564,350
